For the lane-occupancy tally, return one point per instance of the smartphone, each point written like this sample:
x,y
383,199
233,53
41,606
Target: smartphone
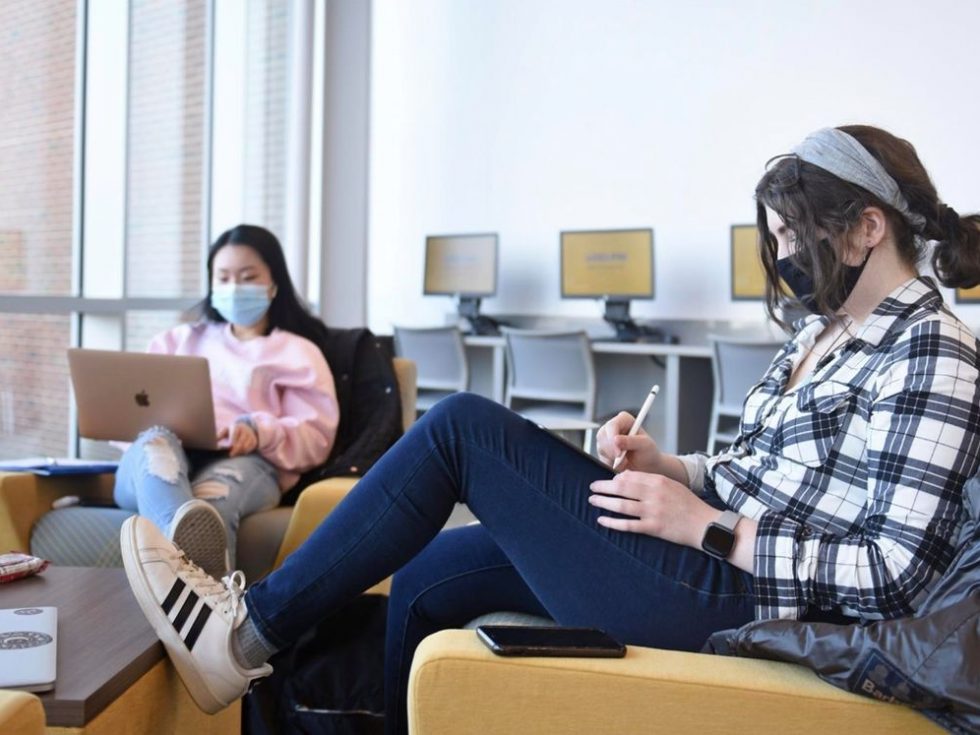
x,y
519,640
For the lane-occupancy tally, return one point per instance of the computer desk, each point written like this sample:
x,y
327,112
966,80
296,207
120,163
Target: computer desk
x,y
680,417
624,373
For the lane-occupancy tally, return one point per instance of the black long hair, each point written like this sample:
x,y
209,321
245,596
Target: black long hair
x,y
287,311
821,209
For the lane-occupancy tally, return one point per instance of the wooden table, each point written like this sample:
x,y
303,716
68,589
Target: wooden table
x,y
112,670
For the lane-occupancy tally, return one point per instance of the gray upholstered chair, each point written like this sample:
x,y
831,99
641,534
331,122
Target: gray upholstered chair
x,y
737,363
440,358
551,379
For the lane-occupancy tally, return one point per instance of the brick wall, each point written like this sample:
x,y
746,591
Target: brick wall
x,y
34,398
37,101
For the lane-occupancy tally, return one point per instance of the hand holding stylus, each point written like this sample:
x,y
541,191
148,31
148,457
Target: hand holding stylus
x,y
638,421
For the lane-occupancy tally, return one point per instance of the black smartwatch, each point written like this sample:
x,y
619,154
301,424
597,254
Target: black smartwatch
x,y
719,536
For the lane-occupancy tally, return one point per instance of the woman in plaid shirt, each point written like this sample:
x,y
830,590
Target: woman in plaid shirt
x,y
840,499
854,447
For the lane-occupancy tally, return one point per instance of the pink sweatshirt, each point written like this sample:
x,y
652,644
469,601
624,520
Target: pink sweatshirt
x,y
281,382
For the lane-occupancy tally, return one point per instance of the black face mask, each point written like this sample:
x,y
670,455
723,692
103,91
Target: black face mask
x,y
801,284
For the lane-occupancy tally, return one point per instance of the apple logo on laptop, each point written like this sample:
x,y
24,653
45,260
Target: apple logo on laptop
x,y
142,399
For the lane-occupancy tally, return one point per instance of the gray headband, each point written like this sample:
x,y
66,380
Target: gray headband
x,y
839,153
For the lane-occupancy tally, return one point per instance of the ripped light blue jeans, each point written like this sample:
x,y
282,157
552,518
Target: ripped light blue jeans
x,y
156,476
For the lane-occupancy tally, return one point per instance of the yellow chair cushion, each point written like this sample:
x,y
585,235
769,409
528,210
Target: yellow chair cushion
x,y
21,713
457,686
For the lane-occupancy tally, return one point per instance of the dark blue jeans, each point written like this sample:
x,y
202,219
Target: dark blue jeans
x,y
538,548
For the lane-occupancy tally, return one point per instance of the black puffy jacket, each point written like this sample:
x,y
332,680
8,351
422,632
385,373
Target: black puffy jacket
x,y
930,661
368,400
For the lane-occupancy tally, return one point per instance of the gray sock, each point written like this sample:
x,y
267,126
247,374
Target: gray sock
x,y
249,646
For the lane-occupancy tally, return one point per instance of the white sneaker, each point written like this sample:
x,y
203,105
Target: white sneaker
x,y
193,614
198,531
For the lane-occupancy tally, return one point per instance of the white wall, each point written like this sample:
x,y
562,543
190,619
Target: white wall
x,y
526,117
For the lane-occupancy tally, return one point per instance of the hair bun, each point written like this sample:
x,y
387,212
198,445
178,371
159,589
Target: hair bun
x,y
951,219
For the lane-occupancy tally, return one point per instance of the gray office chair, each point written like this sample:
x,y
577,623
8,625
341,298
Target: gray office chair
x,y
439,355
737,363
551,379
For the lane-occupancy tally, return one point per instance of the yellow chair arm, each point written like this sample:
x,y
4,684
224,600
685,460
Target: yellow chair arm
x,y
21,713
407,374
457,686
25,497
315,503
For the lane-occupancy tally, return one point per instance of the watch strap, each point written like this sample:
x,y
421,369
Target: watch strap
x,y
728,519
719,535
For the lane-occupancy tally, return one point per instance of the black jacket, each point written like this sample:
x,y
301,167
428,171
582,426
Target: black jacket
x,y
930,661
368,400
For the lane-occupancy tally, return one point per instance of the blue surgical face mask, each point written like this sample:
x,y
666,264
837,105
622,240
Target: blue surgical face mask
x,y
242,304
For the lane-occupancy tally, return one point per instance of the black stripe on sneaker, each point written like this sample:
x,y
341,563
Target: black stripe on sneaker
x,y
185,610
173,595
195,631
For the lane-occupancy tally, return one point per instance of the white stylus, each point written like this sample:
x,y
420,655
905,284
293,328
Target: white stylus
x,y
640,418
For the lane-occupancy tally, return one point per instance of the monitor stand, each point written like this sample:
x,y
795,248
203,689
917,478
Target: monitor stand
x,y
617,313
480,324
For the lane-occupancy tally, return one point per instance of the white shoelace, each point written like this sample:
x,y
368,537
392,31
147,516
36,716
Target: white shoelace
x,y
224,595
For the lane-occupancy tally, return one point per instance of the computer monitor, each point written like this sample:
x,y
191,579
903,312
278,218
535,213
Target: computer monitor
x,y
464,266
968,295
615,266
748,276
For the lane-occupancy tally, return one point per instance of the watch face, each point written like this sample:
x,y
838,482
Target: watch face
x,y
718,541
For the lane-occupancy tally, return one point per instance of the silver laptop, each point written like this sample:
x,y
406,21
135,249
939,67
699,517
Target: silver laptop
x,y
28,648
119,394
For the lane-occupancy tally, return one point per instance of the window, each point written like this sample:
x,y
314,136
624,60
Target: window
x,y
37,81
142,326
165,182
107,201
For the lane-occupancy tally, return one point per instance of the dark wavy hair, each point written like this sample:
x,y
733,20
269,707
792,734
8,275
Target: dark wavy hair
x,y
287,311
821,210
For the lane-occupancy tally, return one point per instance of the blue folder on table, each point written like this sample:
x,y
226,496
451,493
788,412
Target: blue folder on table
x,y
58,466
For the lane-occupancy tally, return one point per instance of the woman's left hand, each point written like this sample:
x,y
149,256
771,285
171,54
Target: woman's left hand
x,y
244,440
659,507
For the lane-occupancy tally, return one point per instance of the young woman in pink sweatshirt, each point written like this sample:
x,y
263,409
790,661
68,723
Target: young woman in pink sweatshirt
x,y
275,405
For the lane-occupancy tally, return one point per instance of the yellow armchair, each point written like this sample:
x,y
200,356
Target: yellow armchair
x,y
459,687
25,498
21,713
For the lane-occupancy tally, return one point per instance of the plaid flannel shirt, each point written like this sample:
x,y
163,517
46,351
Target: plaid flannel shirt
x,y
855,475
